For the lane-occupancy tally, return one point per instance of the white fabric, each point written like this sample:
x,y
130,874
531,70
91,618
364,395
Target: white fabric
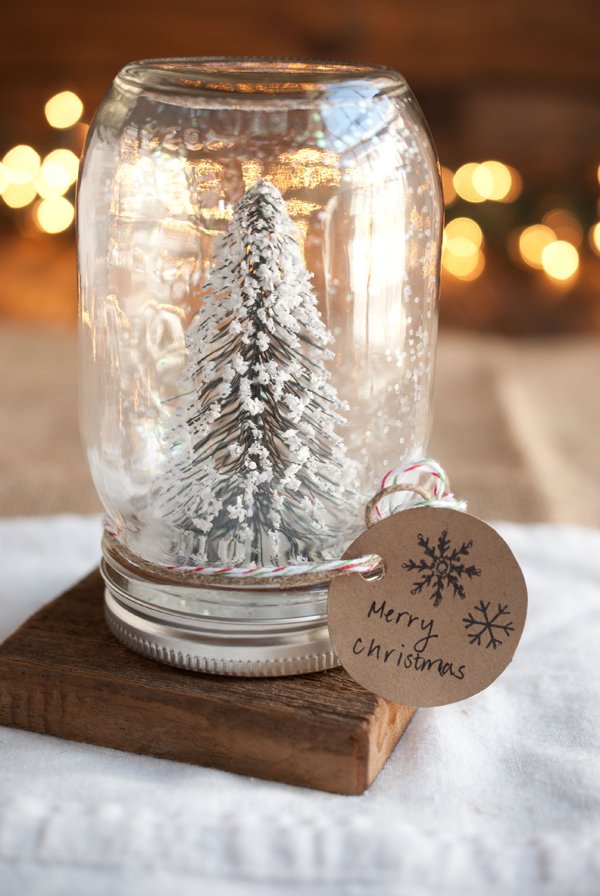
x,y
499,794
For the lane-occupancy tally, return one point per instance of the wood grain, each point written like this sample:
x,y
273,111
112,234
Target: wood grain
x,y
63,674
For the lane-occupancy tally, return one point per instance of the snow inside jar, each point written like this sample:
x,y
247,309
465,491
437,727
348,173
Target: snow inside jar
x,y
259,246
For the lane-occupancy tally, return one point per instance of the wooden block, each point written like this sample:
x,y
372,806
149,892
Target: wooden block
x,y
63,673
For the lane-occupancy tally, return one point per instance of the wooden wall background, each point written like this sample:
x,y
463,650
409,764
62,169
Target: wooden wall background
x,y
446,50
511,79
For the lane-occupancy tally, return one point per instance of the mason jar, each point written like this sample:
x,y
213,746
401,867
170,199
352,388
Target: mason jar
x,y
259,245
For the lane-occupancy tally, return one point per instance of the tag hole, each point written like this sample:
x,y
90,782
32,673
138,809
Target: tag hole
x,y
375,575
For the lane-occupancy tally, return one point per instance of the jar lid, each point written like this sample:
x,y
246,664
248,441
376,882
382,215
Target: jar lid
x,y
237,634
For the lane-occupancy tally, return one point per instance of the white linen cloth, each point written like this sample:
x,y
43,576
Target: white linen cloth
x,y
497,794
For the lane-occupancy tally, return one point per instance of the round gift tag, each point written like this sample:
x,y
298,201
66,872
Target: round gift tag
x,y
443,620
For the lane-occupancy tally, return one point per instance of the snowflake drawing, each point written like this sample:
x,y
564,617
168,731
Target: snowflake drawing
x,y
492,626
441,568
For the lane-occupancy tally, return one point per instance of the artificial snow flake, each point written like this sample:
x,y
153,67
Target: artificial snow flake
x,y
237,510
263,342
488,625
262,375
258,473
296,406
238,364
227,372
441,568
302,454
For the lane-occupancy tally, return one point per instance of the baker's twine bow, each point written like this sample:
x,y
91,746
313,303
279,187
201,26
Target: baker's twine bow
x,y
417,483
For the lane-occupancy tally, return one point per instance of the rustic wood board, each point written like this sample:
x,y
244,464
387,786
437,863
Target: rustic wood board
x,y
63,673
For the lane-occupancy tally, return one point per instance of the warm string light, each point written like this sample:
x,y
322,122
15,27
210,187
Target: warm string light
x,y
551,246
54,215
493,181
63,110
462,254
57,173
24,176
19,195
21,164
560,260
476,182
532,242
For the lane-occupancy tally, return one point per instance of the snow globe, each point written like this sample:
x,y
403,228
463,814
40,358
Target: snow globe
x,y
259,245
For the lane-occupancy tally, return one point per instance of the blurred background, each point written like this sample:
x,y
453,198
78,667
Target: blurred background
x,y
511,93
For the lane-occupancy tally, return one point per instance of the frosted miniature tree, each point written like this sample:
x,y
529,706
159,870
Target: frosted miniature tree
x,y
258,473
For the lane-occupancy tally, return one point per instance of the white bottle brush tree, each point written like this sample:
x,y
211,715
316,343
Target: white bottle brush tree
x,y
256,472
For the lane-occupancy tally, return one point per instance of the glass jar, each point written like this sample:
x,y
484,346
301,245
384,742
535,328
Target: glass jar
x,y
259,245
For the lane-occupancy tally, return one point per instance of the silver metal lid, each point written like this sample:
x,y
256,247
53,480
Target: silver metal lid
x,y
219,631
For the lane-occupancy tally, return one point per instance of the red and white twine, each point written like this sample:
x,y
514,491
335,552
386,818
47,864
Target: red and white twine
x,y
417,483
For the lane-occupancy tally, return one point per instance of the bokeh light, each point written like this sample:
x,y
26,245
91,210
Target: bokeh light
x,y
448,186
532,242
464,228
63,110
464,267
463,183
47,189
565,225
19,195
58,172
21,163
462,256
490,180
595,237
482,179
460,245
54,215
560,260
497,181
4,177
